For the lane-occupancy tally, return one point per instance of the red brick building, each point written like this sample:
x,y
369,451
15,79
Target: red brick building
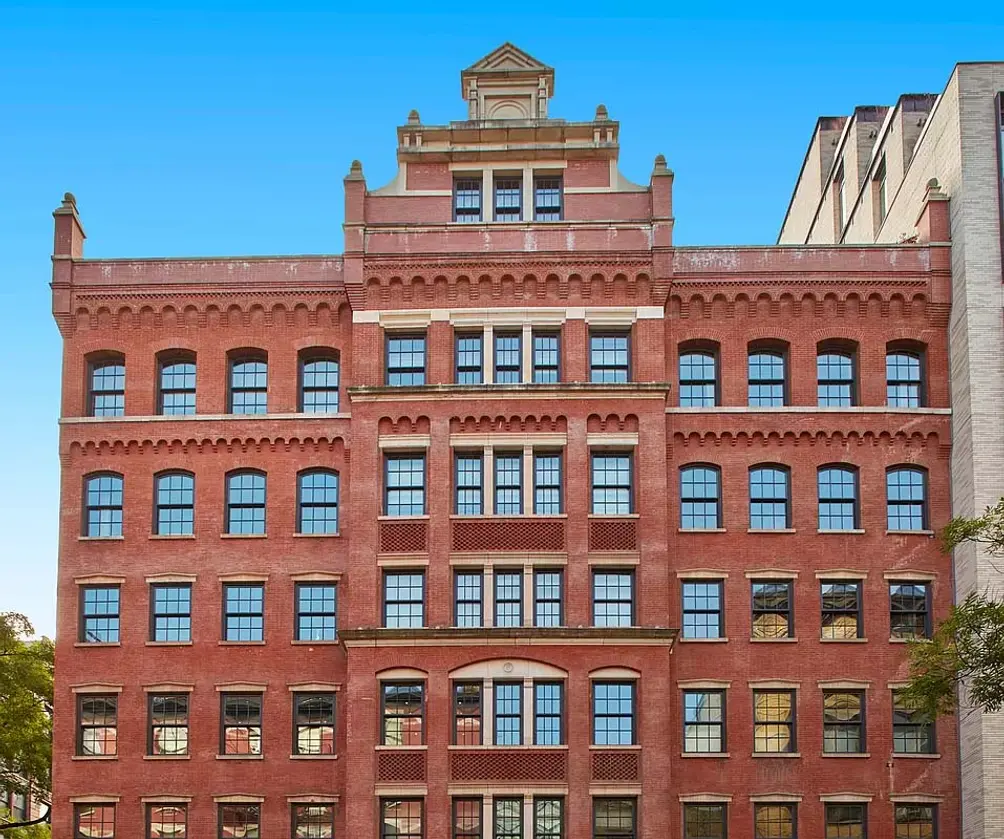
x,y
513,520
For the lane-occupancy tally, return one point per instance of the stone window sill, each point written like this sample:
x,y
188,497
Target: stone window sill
x,y
704,754
773,640
167,757
240,757
701,530
909,533
703,640
297,643
169,643
241,643
843,640
317,535
95,757
777,754
932,756
243,535
781,531
313,757
481,747
98,644
386,748
171,537
845,754
101,538
634,747
854,532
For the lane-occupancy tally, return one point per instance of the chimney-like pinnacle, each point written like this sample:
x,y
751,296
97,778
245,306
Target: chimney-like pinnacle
x,y
69,201
601,113
660,167
355,172
414,118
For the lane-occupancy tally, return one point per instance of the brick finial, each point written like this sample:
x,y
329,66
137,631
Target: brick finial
x,y
69,234
933,223
414,118
601,114
355,172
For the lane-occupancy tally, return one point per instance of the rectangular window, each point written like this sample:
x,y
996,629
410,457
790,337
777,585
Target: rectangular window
x,y
403,714
702,609
509,597
168,724
242,820
704,721
774,721
704,821
547,198
508,818
609,357
313,723
469,598
405,360
467,818
177,387
97,729
172,612
508,358
249,385
841,618
547,704
612,490
613,714
313,821
548,818
615,818
244,612
107,396
316,612
99,614
319,377
916,821
613,598
912,730
766,379
245,509
843,722
467,199
698,379
103,506
547,484
835,375
403,600
469,485
241,729
846,821
775,821
909,610
469,359
508,198
546,357
904,378
773,612
404,485
508,713
880,187
166,821
175,514
93,820
467,714
547,608
508,483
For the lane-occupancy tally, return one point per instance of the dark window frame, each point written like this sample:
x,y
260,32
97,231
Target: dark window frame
x,y
456,716
918,805
503,187
791,724
230,506
557,488
633,584
301,505
541,209
301,805
498,618
298,615
477,804
788,492
510,800
919,728
687,468
158,506
78,808
633,684
926,585
560,600
100,361
545,334
83,616
154,614
833,805
467,370
899,504
387,489
756,611
914,350
858,611
855,501
791,805
511,373
112,700
537,831
423,708
116,528
248,355
776,349
240,614
498,488
518,716
630,487
597,799
459,508
861,725
843,349
151,726
390,372
150,807
705,349
458,602
298,727
560,715
721,806
250,726
628,368
720,611
384,800
313,356
389,572
721,725
165,361
465,184
248,808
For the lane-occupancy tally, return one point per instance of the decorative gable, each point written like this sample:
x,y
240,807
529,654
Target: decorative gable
x,y
507,84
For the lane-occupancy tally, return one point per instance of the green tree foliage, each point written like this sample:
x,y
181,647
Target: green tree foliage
x,y
35,831
967,649
25,707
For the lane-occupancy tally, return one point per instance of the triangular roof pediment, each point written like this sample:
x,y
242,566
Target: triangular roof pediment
x,y
506,59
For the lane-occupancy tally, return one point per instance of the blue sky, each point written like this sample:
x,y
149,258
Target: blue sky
x,y
212,128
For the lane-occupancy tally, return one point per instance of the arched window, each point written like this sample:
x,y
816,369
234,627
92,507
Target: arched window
x,y
698,376
767,375
906,498
700,497
318,501
103,505
248,393
770,498
319,378
835,375
176,383
904,375
838,498
174,496
246,502
106,385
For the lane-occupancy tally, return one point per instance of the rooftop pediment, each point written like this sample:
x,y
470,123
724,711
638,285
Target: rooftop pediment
x,y
507,84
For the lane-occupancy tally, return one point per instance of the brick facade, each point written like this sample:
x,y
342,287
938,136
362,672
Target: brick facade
x,y
607,266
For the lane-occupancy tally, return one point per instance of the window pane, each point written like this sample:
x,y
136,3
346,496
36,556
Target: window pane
x,y
319,386
169,724
613,713
916,821
403,708
547,598
845,821
702,610
772,610
94,821
467,714
699,493
547,714
774,821
98,721
766,379
401,819
773,718
508,358
508,199
469,370
508,713
902,380
698,380
835,380
100,611
177,388
103,506
240,821
508,818
314,719
704,717
467,199
246,503
175,504
248,386
316,612
841,610
318,502
545,358
469,485
168,821
244,607
908,610
547,199
613,598
905,499
508,598
313,821
611,477
469,586
405,486
404,601
406,360
837,499
172,612
547,484
508,484
614,818
108,390
467,818
704,821
768,498
608,358
843,720
241,724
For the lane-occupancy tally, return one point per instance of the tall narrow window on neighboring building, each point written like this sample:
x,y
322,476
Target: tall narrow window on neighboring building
x,y
97,725
508,358
843,722
168,724
405,360
508,715
243,612
176,395
175,513
470,360
93,820
248,382
404,485
469,484
702,609
467,714
770,498
240,820
313,723
103,505
704,721
609,357
241,729
547,705
615,818
846,820
508,818
774,721
404,600
547,198
546,357
508,597
773,610
467,813
698,378
106,386
904,377
838,497
171,618
841,612
246,503
613,714
916,821
319,380
403,714
508,197
402,818
767,377
700,497
313,821
839,203
467,199
912,729
469,594
613,598
317,494
548,818
612,484
880,187
775,821
508,483
547,608
99,614
547,483
835,376
166,820
704,821
906,502
909,606
316,612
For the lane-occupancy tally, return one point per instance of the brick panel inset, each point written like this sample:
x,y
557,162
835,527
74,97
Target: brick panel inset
x,y
400,537
616,766
401,767
613,535
509,535
501,765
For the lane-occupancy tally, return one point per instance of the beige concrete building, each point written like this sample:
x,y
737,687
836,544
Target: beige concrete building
x,y
864,179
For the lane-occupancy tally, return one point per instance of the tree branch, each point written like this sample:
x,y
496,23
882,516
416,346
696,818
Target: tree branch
x,y
43,818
